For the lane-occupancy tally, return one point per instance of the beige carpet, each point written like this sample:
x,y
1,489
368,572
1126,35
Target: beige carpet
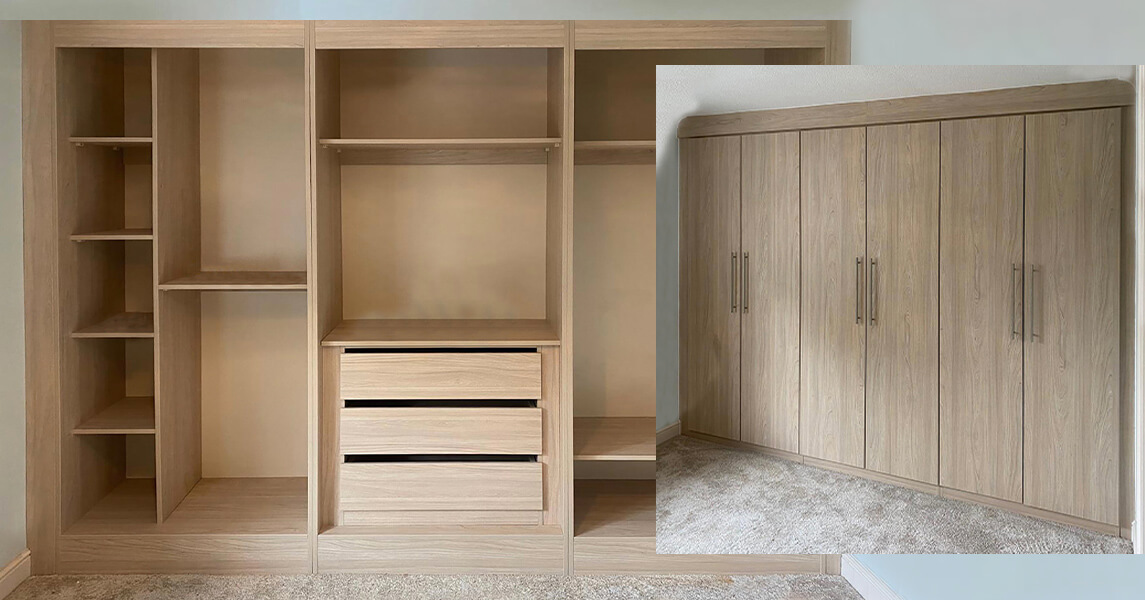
x,y
712,499
433,587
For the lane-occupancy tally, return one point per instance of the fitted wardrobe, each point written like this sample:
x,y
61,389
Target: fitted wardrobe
x,y
300,295
926,291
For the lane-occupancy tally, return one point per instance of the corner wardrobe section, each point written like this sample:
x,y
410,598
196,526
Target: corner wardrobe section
x,y
898,294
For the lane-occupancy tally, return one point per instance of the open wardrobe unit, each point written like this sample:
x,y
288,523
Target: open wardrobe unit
x,y
301,294
930,292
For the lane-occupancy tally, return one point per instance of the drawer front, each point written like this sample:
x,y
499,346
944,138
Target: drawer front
x,y
447,376
460,486
439,430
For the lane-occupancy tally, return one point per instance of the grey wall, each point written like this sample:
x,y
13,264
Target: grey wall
x,y
12,538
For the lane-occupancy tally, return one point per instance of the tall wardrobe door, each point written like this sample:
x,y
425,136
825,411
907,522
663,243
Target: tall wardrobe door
x,y
710,284
902,315
769,363
1073,174
832,336
980,272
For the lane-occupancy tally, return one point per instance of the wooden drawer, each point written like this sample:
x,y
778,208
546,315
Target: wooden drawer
x,y
445,486
440,430
445,376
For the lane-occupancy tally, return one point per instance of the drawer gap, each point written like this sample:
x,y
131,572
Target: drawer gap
x,y
440,350
438,458
355,403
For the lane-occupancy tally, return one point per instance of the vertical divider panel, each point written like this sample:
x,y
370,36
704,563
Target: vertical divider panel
x,y
178,332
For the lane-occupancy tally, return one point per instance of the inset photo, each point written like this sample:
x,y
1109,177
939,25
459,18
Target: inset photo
x,y
905,309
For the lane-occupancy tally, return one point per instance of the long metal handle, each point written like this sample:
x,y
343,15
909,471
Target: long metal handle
x,y
858,290
734,282
1033,294
745,290
1014,270
873,283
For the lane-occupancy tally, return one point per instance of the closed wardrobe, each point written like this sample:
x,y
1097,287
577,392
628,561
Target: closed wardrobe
x,y
924,291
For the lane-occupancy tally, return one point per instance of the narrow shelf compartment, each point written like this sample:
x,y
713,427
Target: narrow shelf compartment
x,y
614,438
115,235
130,416
239,280
121,326
238,506
616,508
618,152
457,151
441,144
457,333
112,141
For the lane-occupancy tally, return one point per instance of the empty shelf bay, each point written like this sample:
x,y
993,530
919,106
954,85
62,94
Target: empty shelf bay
x,y
131,416
459,333
614,438
615,152
120,326
622,508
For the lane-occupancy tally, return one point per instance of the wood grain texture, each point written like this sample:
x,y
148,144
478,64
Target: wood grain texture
x,y
383,518
440,430
617,152
832,334
441,376
980,338
769,360
617,35
1073,198
214,554
131,415
614,438
179,34
902,318
138,234
238,280
441,486
441,144
616,509
441,333
120,326
110,141
440,34
520,550
1010,101
709,286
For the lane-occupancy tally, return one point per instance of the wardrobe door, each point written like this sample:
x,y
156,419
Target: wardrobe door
x,y
832,335
902,315
709,286
769,363
1073,174
980,341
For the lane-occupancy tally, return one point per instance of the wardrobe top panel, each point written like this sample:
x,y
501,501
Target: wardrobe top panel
x,y
1032,99
440,34
663,35
441,333
179,34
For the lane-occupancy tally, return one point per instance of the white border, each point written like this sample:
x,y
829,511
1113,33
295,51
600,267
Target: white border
x,y
869,586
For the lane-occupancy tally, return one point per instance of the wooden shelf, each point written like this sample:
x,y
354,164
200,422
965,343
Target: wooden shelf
x,y
619,152
620,508
113,141
247,506
122,326
614,438
440,530
441,143
239,280
114,235
476,151
132,415
457,333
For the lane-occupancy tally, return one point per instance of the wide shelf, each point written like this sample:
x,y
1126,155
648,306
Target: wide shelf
x,y
113,141
128,325
129,416
239,506
614,438
619,508
439,143
239,280
458,333
445,151
440,530
615,152
114,235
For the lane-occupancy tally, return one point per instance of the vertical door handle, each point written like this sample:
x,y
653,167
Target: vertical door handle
x,y
1033,296
1014,301
858,290
873,283
745,290
733,282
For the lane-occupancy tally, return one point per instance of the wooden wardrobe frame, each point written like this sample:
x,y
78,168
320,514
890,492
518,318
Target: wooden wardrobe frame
x,y
1028,100
822,42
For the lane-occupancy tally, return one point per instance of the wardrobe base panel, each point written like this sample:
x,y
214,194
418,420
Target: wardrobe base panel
x,y
637,555
443,554
214,554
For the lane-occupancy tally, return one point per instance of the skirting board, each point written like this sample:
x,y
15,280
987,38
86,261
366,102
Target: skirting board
x,y
667,433
15,573
869,586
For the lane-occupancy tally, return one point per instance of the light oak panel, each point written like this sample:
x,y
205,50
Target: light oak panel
x,y
440,430
769,359
365,518
180,34
439,34
442,333
709,286
530,550
614,438
132,415
214,554
902,315
617,35
444,376
1073,179
981,337
832,332
494,486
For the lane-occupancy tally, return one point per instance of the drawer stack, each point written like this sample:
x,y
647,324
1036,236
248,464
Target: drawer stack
x,y
431,438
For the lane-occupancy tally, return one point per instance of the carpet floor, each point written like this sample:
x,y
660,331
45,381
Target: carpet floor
x,y
433,587
712,499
